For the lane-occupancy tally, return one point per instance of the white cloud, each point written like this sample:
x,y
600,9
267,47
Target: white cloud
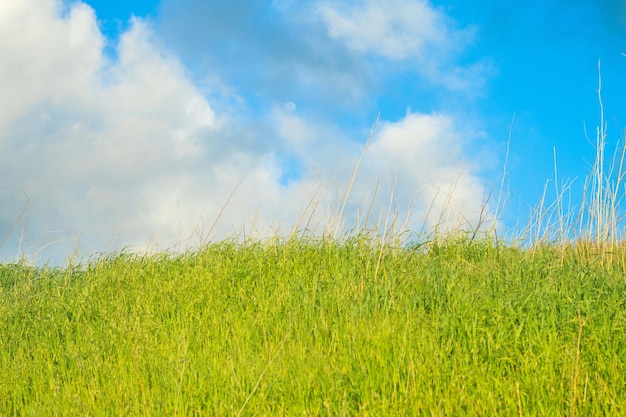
x,y
130,153
404,30
93,143
423,154
417,164
396,29
34,62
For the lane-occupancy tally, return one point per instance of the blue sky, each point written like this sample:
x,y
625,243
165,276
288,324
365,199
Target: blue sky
x,y
133,124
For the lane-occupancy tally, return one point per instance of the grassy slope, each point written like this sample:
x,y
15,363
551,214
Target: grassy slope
x,y
318,328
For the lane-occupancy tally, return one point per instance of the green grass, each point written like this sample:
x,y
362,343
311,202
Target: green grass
x,y
316,327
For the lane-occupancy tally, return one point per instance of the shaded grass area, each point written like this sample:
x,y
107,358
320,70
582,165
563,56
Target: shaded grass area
x,y
316,327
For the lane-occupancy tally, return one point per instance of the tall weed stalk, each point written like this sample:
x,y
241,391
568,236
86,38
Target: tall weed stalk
x,y
604,187
598,219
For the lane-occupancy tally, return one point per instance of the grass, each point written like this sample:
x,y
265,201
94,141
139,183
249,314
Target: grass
x,y
461,323
598,219
307,327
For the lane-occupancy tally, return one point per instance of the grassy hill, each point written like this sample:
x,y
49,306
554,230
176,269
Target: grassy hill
x,y
316,327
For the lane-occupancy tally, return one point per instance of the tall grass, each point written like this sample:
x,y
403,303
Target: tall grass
x,y
319,328
603,223
597,220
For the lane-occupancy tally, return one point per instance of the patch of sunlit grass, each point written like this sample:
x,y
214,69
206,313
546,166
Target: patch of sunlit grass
x,y
315,327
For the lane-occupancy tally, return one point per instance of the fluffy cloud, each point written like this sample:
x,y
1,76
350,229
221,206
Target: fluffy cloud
x,y
423,154
397,29
32,60
129,153
119,153
415,168
405,30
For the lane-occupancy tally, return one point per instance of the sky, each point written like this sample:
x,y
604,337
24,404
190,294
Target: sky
x,y
162,125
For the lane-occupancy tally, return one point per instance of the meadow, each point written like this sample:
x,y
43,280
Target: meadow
x,y
313,327
460,323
